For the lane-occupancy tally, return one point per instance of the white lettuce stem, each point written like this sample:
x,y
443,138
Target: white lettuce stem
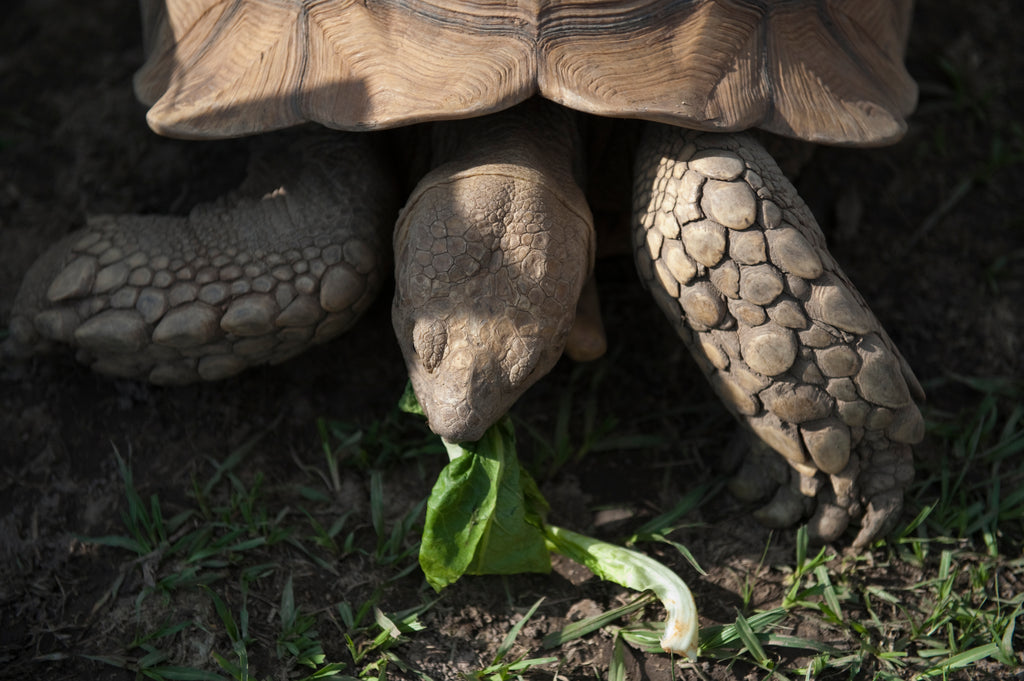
x,y
635,570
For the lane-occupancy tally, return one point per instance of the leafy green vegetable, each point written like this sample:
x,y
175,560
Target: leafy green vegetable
x,y
478,519
486,515
638,571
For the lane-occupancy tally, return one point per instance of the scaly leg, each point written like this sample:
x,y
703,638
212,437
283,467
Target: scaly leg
x,y
289,261
739,265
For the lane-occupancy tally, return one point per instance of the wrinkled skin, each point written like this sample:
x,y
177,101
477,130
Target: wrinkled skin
x,y
491,254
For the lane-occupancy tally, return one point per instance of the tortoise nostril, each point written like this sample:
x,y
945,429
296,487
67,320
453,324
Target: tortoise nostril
x,y
521,359
430,340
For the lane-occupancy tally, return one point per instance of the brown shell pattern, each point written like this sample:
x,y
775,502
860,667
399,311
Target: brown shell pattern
x,y
824,70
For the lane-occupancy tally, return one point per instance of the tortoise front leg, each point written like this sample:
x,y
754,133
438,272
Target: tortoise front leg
x,y
740,267
288,261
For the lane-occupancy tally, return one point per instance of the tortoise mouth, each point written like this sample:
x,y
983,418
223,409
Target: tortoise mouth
x,y
468,382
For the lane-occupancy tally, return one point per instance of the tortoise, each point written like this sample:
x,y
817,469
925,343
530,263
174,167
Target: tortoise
x,y
495,245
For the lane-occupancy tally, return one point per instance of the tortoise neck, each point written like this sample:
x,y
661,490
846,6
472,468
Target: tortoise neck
x,y
534,133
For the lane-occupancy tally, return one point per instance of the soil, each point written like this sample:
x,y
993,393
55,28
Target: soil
x,y
931,229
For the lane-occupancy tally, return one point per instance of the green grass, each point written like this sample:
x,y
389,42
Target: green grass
x,y
234,556
580,427
938,598
965,543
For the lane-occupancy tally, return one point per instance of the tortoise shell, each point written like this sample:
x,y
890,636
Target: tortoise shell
x,y
828,71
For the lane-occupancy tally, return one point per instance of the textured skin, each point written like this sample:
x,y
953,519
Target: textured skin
x,y
288,262
491,253
738,264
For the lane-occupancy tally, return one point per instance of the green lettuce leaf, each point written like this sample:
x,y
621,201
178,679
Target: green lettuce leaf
x,y
484,514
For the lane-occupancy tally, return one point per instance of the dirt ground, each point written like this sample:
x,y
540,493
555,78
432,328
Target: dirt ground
x,y
931,230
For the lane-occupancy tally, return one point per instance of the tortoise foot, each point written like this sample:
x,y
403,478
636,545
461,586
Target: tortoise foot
x,y
290,261
868,492
738,264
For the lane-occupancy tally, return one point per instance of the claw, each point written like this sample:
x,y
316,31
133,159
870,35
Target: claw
x,y
784,510
829,520
883,512
760,472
